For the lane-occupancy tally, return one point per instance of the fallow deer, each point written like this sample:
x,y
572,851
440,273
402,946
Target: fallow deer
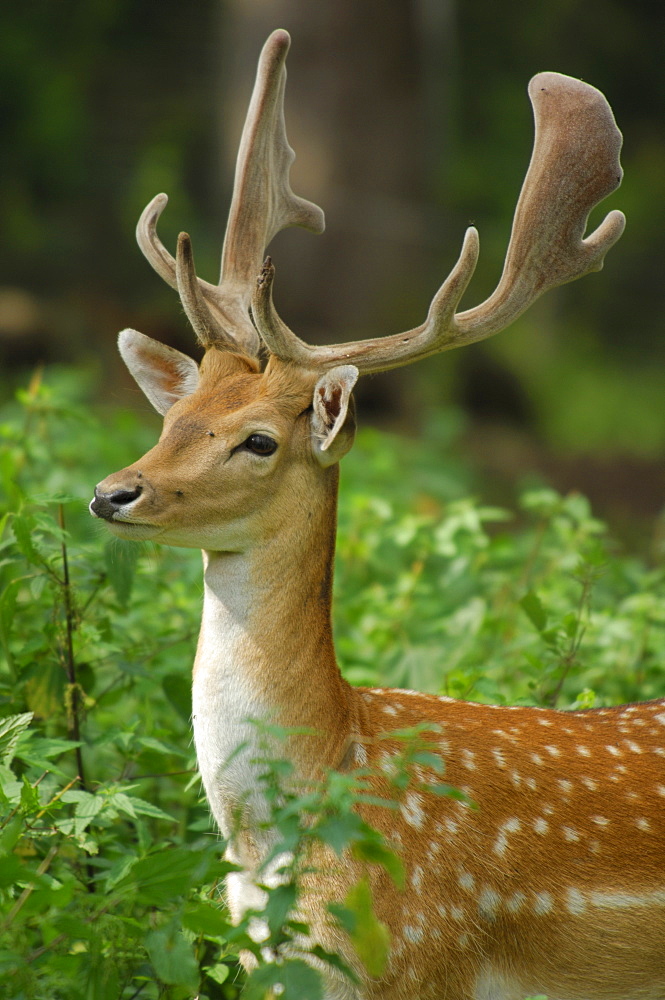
x,y
555,884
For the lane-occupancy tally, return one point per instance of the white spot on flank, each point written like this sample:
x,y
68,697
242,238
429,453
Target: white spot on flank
x,y
583,751
639,722
548,810
660,790
544,722
569,834
659,751
516,778
499,757
634,747
660,718
536,758
411,810
532,784
467,881
468,759
511,825
457,913
565,786
594,846
451,825
389,710
575,902
590,784
553,751
600,820
541,826
543,903
489,902
442,910
642,824
413,934
417,877
463,940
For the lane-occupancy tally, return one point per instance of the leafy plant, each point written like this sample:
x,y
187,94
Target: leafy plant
x,y
110,870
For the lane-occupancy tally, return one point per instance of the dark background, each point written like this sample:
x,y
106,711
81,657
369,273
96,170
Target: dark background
x,y
409,119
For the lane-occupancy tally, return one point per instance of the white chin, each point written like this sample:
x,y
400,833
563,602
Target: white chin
x,y
135,532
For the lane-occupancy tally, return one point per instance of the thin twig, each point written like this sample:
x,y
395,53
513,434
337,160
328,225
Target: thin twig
x,y
73,709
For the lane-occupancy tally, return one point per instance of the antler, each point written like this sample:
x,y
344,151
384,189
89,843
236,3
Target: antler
x,y
263,204
575,164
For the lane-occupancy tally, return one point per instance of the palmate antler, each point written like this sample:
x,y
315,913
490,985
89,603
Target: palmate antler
x,y
575,164
263,204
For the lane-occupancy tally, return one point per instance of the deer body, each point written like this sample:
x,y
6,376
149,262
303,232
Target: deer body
x,y
555,884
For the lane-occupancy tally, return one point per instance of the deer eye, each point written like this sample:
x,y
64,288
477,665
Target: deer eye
x,y
261,444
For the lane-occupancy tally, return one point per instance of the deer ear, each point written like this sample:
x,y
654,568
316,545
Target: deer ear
x,y
164,374
333,419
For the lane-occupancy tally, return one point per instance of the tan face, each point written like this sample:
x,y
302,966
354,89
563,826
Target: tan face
x,y
235,458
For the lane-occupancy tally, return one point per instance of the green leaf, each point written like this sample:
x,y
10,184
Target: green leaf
x,y
144,808
379,854
218,973
281,900
178,690
206,919
172,957
298,981
339,831
159,877
10,731
29,798
23,526
370,937
534,610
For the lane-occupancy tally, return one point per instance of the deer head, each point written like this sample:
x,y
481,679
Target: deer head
x,y
245,443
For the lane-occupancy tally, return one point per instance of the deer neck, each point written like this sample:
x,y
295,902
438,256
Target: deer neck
x,y
266,653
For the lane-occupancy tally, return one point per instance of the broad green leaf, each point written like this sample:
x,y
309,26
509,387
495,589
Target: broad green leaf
x,y
178,690
172,957
218,973
294,979
534,610
158,878
376,853
370,937
340,830
10,731
207,919
281,900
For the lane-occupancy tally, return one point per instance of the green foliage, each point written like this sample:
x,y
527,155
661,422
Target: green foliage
x,y
110,872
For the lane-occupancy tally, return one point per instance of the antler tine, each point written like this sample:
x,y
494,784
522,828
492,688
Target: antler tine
x,y
193,300
575,164
262,204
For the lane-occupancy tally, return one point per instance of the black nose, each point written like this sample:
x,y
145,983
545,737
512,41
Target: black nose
x,y
107,504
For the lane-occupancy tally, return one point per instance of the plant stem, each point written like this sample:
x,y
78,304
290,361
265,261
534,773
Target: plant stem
x,y
70,663
73,708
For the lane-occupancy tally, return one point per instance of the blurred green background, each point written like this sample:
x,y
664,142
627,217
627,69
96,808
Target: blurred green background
x,y
410,119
